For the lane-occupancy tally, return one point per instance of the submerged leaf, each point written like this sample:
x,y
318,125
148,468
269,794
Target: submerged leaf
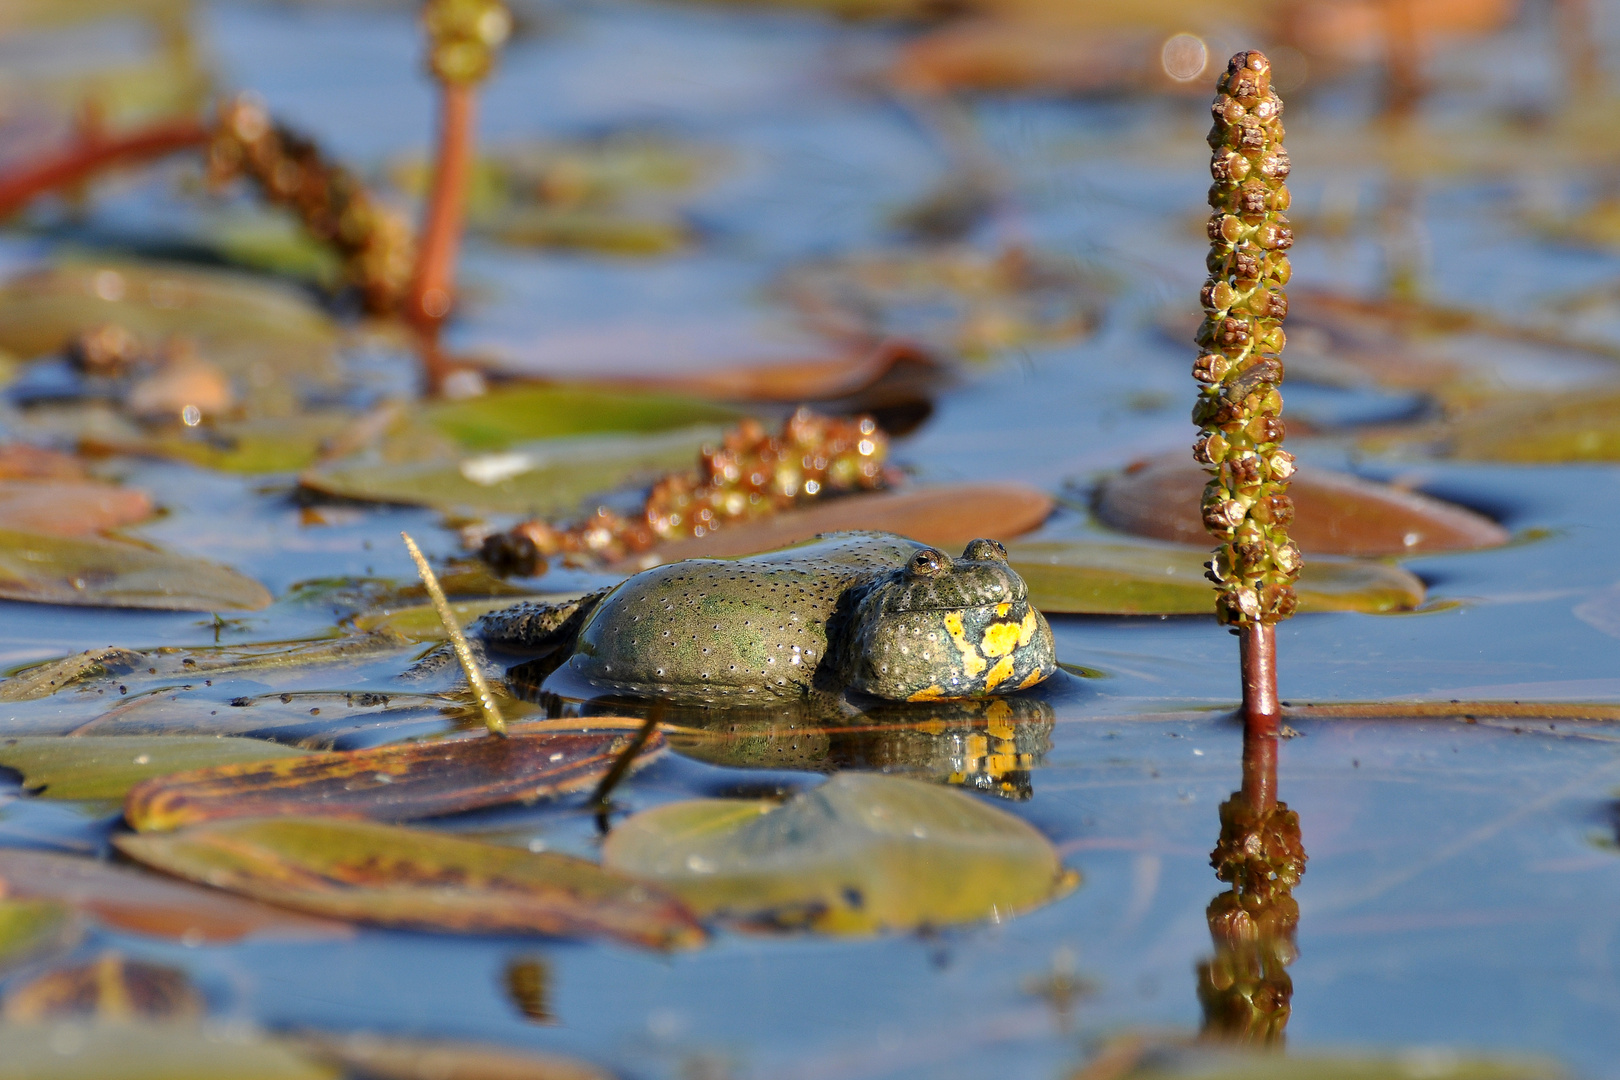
x,y
106,767
386,783
139,903
859,854
393,876
29,928
1334,513
73,1050
1089,577
947,517
107,988
544,479
88,571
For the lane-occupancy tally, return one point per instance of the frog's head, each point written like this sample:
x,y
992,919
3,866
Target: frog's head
x,y
940,628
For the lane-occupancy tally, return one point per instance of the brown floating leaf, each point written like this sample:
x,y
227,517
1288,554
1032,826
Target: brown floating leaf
x,y
70,507
1334,513
140,903
106,767
386,783
391,1057
1087,577
393,876
89,571
947,517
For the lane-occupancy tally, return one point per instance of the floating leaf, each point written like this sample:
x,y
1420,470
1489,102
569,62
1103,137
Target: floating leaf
x,y
859,854
500,418
1334,513
422,623
1088,577
29,928
312,719
1582,426
393,876
386,783
1164,1060
235,320
591,230
106,767
70,507
946,517
544,479
139,903
89,571
83,669
393,1057
74,1050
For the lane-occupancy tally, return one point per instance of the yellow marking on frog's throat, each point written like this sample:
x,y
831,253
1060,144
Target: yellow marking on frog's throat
x,y
998,674
931,693
1000,638
972,662
1031,679
1026,629
1002,609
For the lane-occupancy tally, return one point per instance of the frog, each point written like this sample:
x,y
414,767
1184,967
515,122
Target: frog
x,y
872,613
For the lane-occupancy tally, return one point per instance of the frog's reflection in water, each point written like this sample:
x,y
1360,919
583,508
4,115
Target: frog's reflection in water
x,y
991,744
1244,988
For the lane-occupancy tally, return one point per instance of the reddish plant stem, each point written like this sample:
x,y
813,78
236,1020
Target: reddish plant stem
x,y
433,286
89,155
1403,58
1257,651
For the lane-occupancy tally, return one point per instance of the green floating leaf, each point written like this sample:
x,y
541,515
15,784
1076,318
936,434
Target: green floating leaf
x,y
385,783
1206,1062
421,623
1087,577
110,664
92,572
392,876
859,854
107,766
236,321
73,1050
312,719
501,418
545,478
614,232
1335,513
1582,426
29,928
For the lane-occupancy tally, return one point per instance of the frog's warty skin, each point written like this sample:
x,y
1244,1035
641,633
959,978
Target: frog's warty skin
x,y
1245,504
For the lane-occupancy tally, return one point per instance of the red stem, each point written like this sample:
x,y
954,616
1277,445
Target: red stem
x,y
433,286
88,156
1260,769
1257,652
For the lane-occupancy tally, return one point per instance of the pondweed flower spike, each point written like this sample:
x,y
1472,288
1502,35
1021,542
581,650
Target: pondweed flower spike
x,y
463,38
458,641
1239,369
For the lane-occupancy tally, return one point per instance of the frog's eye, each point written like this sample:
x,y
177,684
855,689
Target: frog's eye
x,y
927,562
985,550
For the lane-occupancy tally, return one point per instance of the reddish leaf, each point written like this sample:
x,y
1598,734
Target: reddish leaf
x,y
1334,513
386,783
70,507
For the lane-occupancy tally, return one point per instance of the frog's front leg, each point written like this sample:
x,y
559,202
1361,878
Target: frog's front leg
x,y
533,625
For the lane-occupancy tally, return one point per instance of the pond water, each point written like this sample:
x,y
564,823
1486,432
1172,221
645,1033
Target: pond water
x,y
1461,880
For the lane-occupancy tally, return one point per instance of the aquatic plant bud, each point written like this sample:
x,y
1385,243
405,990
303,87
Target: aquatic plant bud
x,y
464,36
1239,370
374,243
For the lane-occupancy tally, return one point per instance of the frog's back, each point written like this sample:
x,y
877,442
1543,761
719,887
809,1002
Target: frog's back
x,y
713,631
